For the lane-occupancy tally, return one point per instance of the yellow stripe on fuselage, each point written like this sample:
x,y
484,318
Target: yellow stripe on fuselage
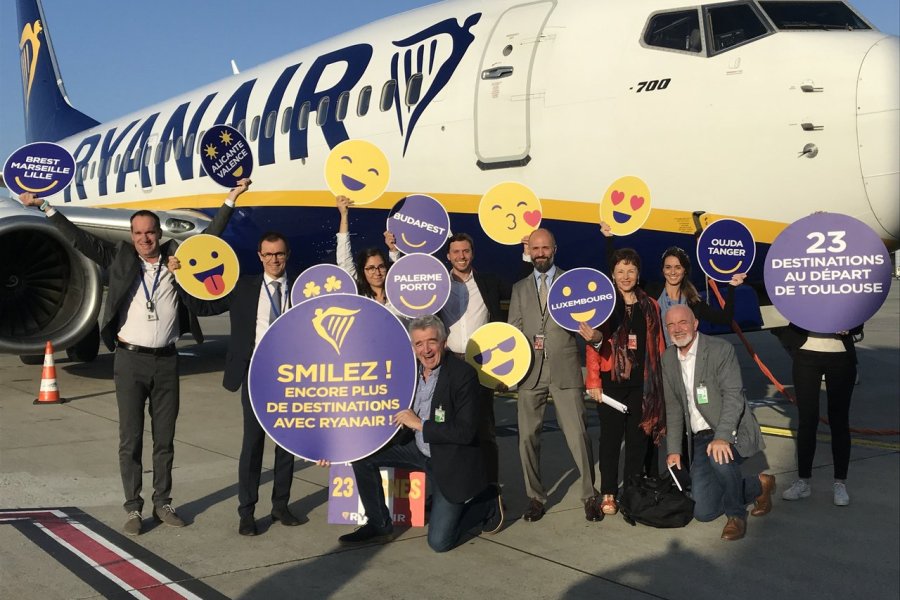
x,y
660,219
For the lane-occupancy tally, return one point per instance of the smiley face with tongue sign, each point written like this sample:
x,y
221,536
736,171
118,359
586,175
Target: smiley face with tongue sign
x,y
209,267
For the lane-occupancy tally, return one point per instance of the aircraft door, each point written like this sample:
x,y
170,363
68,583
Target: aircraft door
x,y
502,93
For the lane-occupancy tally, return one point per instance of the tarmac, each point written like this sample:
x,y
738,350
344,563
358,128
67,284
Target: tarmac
x,y
61,506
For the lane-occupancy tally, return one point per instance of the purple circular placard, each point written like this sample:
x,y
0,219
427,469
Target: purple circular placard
x,y
225,155
419,224
828,272
581,295
42,168
320,280
417,285
327,376
724,248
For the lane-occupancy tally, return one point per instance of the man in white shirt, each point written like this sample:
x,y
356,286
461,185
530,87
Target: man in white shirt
x,y
705,400
142,320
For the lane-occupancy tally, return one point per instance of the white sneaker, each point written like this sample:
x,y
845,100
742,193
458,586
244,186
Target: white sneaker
x,y
841,497
799,489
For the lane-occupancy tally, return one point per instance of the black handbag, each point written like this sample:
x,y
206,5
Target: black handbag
x,y
656,502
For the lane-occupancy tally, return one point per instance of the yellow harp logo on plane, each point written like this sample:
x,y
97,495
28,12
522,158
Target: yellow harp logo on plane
x,y
333,324
29,48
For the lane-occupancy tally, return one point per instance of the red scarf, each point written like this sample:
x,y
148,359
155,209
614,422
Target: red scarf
x,y
652,404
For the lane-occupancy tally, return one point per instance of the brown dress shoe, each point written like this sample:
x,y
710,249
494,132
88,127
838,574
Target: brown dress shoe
x,y
592,510
535,511
735,529
763,503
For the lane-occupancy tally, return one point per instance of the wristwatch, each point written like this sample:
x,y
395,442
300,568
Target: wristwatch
x,y
44,205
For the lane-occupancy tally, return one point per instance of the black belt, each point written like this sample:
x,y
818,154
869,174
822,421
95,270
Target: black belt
x,y
705,432
164,351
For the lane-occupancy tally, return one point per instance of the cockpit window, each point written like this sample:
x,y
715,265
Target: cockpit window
x,y
812,15
675,30
733,24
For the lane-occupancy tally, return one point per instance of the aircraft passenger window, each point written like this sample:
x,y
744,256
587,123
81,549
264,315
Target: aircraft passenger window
x,y
93,168
387,95
413,89
322,111
270,124
365,95
146,155
303,116
286,119
168,151
734,24
158,156
178,146
242,127
675,30
254,128
199,139
189,145
116,166
812,15
340,111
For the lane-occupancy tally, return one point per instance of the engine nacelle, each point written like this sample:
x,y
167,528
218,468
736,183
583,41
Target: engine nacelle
x,y
48,290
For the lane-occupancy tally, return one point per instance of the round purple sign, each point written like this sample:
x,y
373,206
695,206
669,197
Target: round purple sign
x,y
321,279
419,224
225,155
42,168
417,285
724,248
828,272
328,375
581,296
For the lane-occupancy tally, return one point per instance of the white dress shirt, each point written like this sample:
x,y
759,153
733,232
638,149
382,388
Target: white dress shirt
x,y
134,325
264,305
464,312
688,361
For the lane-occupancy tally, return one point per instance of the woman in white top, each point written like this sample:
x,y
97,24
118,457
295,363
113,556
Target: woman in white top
x,y
371,265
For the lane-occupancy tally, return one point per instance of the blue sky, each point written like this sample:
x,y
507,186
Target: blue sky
x,y
117,57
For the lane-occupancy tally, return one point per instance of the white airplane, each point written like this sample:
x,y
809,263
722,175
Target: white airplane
x,y
758,110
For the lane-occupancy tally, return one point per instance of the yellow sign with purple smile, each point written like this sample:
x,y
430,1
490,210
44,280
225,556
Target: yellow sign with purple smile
x,y
209,267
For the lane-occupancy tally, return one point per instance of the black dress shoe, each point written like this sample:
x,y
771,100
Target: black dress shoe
x,y
247,526
592,510
286,517
367,533
535,511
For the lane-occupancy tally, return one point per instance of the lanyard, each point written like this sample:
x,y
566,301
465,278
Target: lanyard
x,y
271,299
150,293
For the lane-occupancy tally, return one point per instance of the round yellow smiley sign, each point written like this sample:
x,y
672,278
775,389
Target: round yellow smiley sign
x,y
209,267
626,205
357,169
500,353
508,212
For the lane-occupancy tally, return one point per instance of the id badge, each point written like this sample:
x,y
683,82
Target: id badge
x,y
439,415
702,396
152,316
632,341
539,341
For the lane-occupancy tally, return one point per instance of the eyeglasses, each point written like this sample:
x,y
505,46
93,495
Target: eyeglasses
x,y
271,255
373,268
484,357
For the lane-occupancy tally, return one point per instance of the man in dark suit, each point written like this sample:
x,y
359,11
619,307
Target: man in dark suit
x,y
705,399
444,422
556,371
141,322
255,302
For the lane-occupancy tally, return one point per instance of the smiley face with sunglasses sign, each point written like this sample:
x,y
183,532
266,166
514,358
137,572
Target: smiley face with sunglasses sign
x,y
500,353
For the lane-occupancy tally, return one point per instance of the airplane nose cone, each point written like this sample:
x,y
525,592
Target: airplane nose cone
x,y
878,124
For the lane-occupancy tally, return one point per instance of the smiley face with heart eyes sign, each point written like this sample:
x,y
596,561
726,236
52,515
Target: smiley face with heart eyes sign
x,y
209,267
625,205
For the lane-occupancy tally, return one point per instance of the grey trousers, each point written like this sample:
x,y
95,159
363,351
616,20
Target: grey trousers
x,y
569,404
138,378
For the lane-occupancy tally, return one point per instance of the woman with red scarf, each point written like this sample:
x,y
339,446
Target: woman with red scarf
x,y
623,361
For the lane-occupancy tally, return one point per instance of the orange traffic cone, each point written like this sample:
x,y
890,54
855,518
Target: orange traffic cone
x,y
49,393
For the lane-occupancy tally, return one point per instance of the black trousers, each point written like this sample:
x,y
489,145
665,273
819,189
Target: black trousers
x,y
614,426
839,369
250,463
139,378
